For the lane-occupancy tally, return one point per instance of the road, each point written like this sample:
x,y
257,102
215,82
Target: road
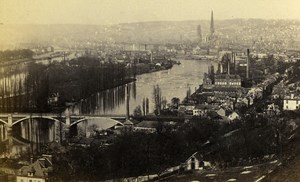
x,y
253,173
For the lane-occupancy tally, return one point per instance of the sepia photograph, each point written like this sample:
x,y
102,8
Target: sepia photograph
x,y
149,90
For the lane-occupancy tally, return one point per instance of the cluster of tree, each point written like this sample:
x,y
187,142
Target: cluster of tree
x,y
9,55
160,102
137,153
78,80
24,91
134,153
144,110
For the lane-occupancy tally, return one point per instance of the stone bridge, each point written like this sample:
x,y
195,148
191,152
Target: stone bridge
x,y
11,119
8,120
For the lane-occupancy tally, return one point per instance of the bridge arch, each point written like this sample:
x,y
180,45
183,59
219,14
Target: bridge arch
x,y
2,121
39,117
78,121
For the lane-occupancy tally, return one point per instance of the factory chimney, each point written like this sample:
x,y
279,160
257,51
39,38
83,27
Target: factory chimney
x,y
248,63
234,62
151,57
209,69
127,101
228,64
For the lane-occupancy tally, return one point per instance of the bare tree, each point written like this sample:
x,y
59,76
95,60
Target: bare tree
x,y
147,106
157,99
164,103
144,106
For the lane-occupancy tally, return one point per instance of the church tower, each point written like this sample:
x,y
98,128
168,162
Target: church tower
x,y
212,25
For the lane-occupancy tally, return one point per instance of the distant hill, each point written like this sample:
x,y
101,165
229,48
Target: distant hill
x,y
239,30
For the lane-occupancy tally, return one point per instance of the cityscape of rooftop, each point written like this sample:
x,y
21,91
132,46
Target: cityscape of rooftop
x,y
149,91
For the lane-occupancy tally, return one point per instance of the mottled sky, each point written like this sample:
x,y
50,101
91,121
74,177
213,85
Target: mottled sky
x,y
123,11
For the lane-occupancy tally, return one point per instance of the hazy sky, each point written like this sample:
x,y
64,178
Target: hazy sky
x,y
119,11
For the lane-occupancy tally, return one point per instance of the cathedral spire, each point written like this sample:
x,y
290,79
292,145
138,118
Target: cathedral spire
x,y
212,26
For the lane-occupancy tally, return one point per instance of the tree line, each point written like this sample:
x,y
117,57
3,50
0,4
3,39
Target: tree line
x,y
73,81
9,55
137,153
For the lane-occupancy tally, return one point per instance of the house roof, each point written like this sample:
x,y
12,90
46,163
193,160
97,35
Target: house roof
x,y
147,124
230,89
197,155
225,76
204,106
39,168
128,122
214,115
221,112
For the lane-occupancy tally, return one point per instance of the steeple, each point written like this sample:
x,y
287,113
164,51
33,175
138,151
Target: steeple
x,y
212,26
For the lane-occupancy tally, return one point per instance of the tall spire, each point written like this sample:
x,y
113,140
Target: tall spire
x,y
212,26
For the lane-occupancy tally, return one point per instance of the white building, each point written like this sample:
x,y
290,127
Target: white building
x,y
196,162
291,102
193,162
233,116
38,171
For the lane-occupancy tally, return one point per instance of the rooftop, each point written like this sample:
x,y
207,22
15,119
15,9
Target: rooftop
x,y
225,76
40,168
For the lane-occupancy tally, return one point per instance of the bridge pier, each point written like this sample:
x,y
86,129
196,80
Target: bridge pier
x,y
23,129
68,124
85,123
52,132
9,129
2,132
31,129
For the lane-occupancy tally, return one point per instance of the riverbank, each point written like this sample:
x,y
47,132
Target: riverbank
x,y
144,68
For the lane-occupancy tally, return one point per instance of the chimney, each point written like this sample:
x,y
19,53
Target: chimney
x,y
234,61
127,102
221,68
292,96
248,63
145,47
228,64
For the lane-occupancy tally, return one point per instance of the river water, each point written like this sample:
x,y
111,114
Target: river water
x,y
173,83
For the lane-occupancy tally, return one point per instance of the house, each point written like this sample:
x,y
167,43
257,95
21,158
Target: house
x,y
38,171
202,109
272,109
128,123
146,126
128,126
193,162
3,177
255,92
221,112
234,115
196,162
187,109
291,102
214,115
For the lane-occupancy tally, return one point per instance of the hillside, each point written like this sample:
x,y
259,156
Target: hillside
x,y
238,31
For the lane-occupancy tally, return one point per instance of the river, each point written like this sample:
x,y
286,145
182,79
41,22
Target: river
x,y
173,83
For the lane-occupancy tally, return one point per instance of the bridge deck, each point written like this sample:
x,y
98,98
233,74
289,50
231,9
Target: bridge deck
x,y
60,115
